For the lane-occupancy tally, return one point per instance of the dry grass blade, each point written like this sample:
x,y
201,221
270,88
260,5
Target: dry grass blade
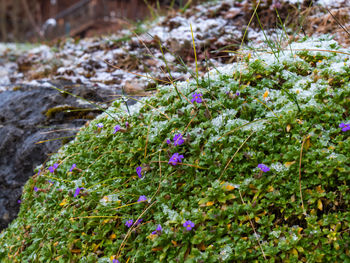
x,y
301,155
122,245
228,163
149,127
251,223
336,20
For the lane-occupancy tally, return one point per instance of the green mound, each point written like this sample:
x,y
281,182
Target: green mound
x,y
265,172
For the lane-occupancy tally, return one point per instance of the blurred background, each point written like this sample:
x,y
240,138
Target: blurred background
x,y
35,20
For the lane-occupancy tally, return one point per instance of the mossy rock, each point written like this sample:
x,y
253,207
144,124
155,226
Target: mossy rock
x,y
281,113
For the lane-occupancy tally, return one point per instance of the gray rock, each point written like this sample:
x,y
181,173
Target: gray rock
x,y
31,114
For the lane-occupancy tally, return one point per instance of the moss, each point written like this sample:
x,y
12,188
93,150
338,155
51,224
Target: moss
x,y
241,214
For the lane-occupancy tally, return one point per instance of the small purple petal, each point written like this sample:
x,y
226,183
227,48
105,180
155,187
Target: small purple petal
x,y
168,141
263,167
77,191
138,221
36,189
99,125
142,198
116,129
138,171
19,201
73,166
126,124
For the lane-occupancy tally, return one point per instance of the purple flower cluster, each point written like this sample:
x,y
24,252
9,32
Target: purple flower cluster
x,y
189,225
99,125
129,223
116,129
263,167
178,139
197,97
158,230
344,126
53,168
175,159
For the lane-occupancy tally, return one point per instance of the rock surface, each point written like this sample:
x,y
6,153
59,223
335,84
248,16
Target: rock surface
x,y
30,114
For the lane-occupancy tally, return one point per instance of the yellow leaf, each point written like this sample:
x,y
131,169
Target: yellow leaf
x,y
307,143
299,230
95,247
151,237
174,243
288,128
294,252
112,236
75,250
210,203
231,196
257,219
266,94
228,187
292,199
288,164
319,189
249,56
319,204
64,202
270,189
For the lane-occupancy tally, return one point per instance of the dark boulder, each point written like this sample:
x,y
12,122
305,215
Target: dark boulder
x,y
30,114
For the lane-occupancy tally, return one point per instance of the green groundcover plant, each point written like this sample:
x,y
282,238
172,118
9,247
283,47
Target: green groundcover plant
x,y
249,163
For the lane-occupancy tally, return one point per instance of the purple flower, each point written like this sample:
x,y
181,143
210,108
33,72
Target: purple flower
x,y
189,225
168,141
126,124
116,129
138,171
138,221
73,166
36,189
142,198
51,182
176,158
99,125
158,230
129,223
196,97
115,261
263,167
77,191
178,139
53,168
19,201
237,93
345,127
